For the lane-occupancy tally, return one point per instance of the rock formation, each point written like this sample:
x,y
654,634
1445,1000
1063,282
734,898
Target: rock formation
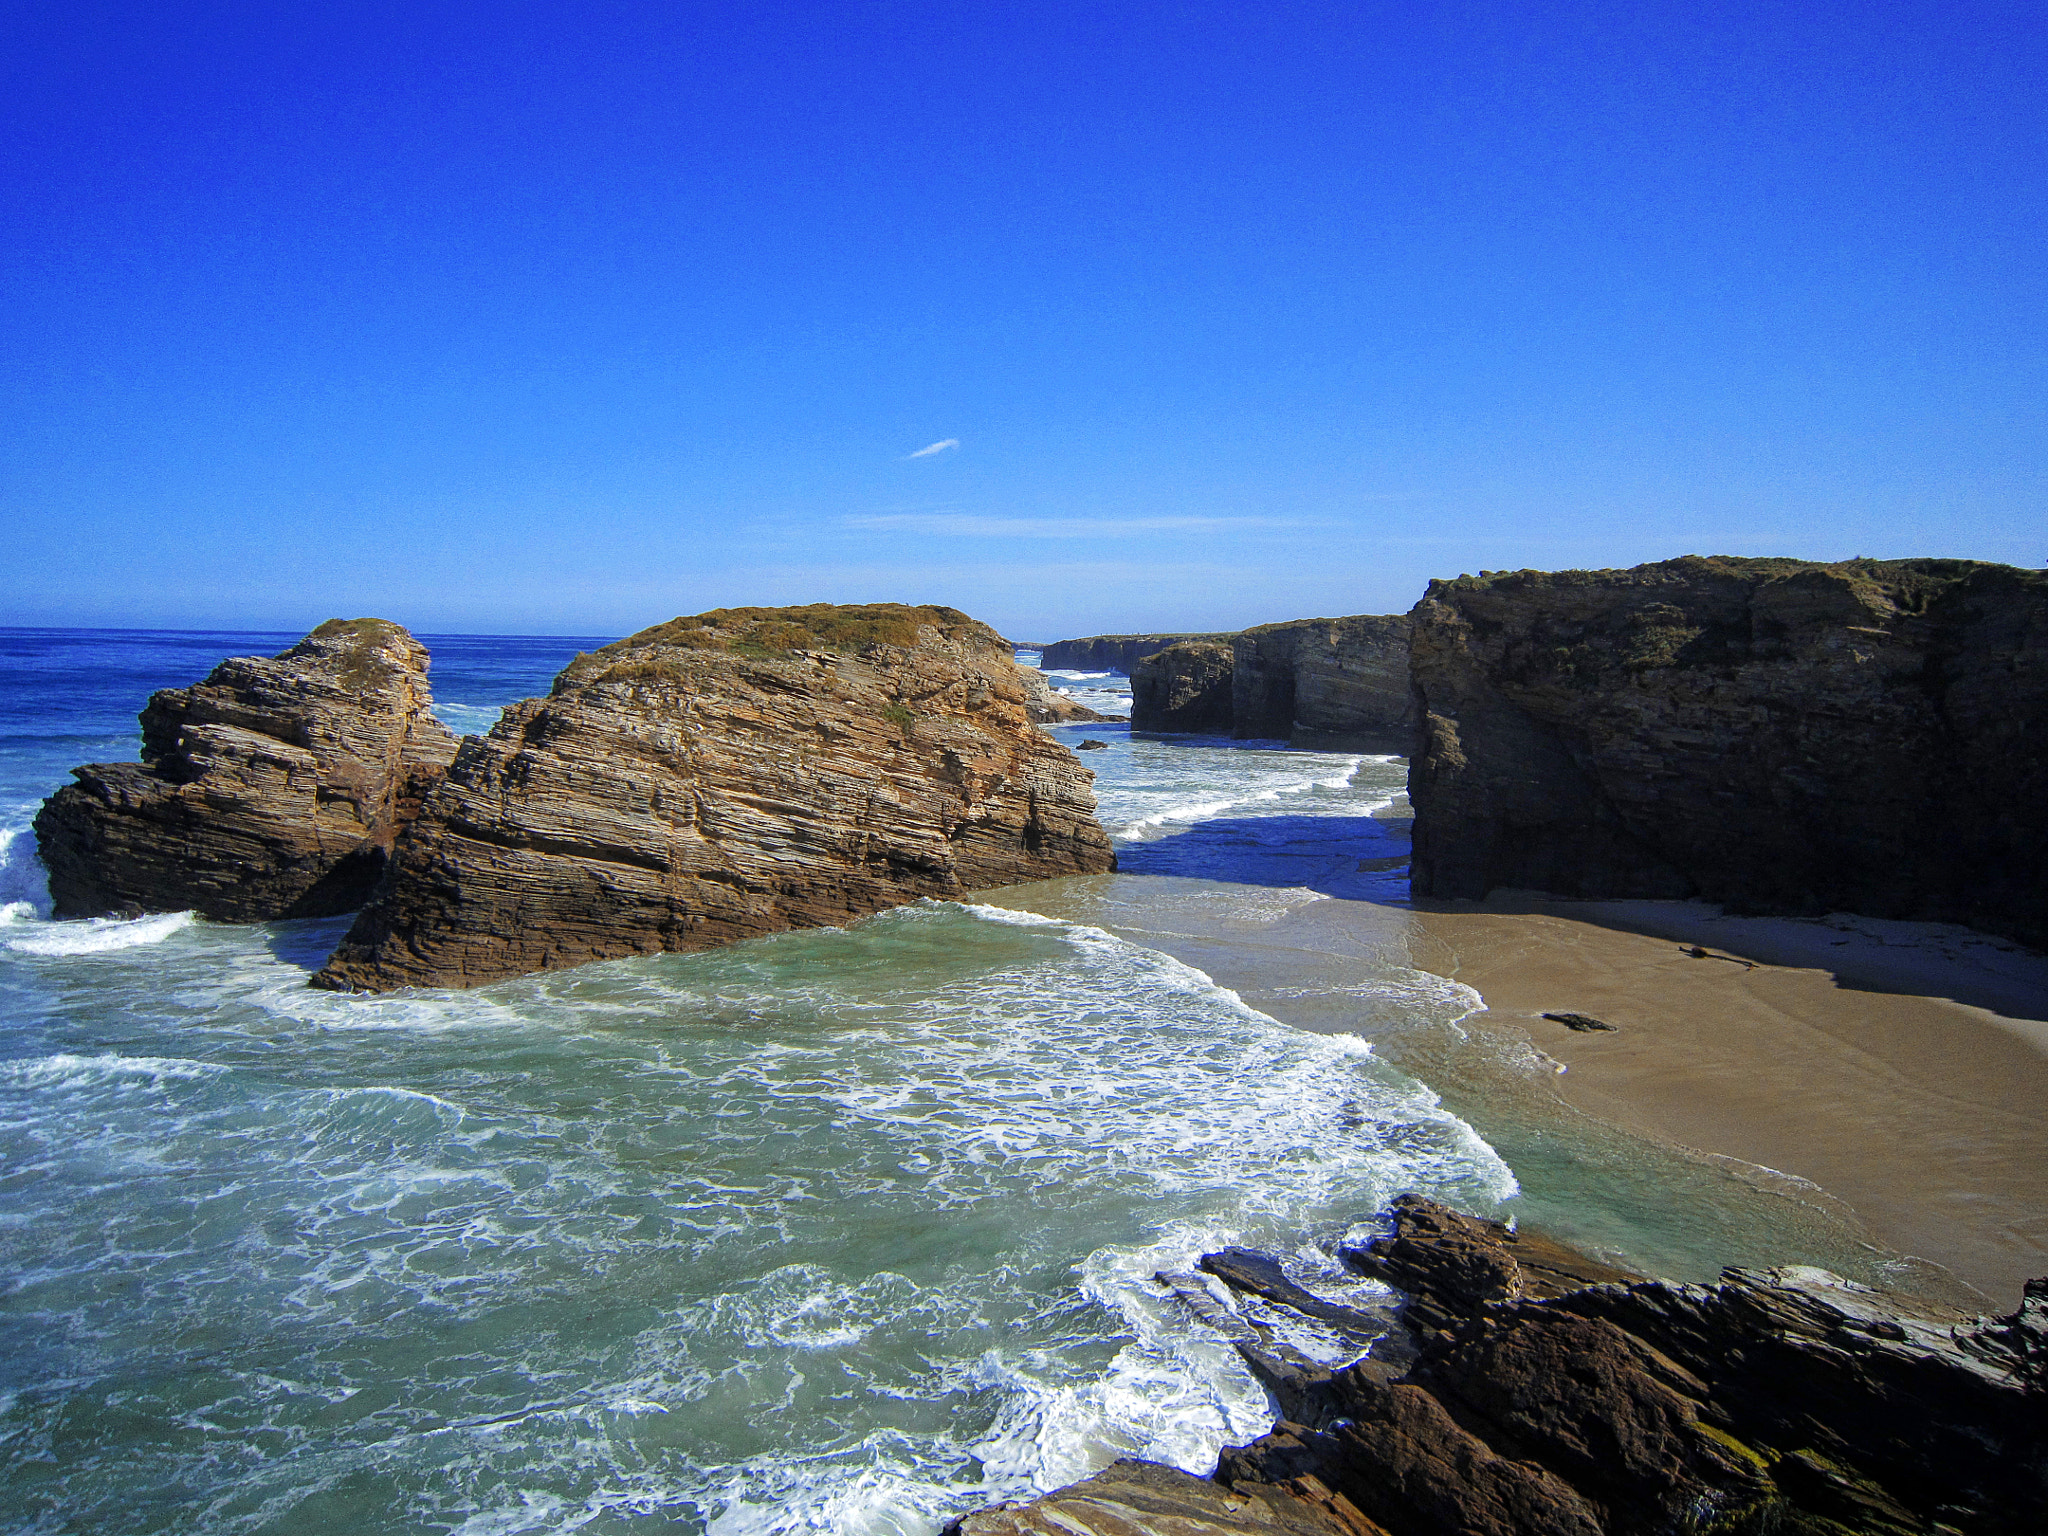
x,y
1339,684
1532,1404
1185,687
1111,653
272,789
1046,705
1336,684
1869,736
736,773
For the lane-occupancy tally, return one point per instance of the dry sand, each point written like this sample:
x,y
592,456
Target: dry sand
x,y
1902,1067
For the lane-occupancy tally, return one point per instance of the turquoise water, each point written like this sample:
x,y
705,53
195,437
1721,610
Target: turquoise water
x,y
842,1230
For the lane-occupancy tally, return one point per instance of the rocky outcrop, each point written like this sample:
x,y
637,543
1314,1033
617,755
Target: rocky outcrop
x,y
1334,684
1184,688
718,777
1111,653
1868,736
1046,705
1783,1400
1338,684
273,789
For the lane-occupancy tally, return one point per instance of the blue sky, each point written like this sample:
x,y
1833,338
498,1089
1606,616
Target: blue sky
x,y
550,318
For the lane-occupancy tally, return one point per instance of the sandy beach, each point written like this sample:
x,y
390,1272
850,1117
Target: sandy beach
x,y
1867,1095
1903,1068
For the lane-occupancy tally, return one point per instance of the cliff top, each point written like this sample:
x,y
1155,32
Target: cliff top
x,y
1926,574
775,633
363,653
364,631
806,627
1358,619
1157,634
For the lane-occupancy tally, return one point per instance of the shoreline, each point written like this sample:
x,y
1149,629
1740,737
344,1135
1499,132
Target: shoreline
x,y
1871,1115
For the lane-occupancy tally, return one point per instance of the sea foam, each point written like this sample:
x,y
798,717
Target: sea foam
x,y
99,935
23,882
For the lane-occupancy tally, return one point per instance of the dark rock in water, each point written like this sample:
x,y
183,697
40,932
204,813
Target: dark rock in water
x,y
1091,746
715,778
1336,684
1183,688
272,789
1111,653
1584,1023
1258,1274
1868,736
1785,1401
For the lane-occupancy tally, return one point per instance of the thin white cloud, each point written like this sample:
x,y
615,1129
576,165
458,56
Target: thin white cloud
x,y
939,447
970,525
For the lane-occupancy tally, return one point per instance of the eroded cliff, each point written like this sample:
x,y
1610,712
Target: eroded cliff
x,y
1184,688
1339,684
1335,684
1868,736
722,776
272,789
1111,653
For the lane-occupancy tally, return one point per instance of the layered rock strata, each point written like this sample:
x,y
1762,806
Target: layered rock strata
x,y
1336,684
1785,1401
273,789
718,777
1184,688
1339,684
1112,653
1868,736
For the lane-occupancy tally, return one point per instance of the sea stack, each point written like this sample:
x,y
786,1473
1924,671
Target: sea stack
x,y
1183,688
1867,736
717,777
273,789
1335,684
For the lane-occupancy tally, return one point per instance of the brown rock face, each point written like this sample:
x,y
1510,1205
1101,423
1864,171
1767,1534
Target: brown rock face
x,y
1185,687
272,789
1870,736
718,777
1339,684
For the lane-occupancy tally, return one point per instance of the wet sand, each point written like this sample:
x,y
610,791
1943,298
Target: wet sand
x,y
1903,1068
